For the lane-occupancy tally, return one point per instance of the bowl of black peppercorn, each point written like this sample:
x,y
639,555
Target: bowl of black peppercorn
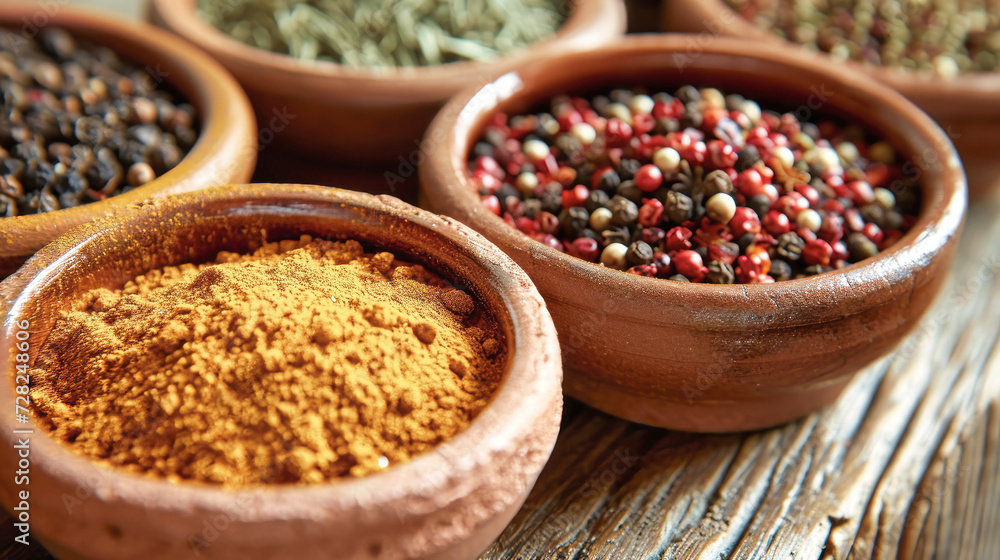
x,y
735,280
101,112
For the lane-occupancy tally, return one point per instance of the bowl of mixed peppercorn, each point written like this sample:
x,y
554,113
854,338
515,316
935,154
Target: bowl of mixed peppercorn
x,y
943,56
99,113
723,239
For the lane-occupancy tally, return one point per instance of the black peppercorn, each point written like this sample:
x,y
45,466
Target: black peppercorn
x,y
720,273
716,182
616,235
746,158
759,203
629,190
859,247
608,181
627,168
790,246
746,240
639,253
574,220
678,207
596,199
623,211
780,270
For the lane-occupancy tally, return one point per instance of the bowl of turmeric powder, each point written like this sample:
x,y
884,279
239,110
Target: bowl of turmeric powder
x,y
274,371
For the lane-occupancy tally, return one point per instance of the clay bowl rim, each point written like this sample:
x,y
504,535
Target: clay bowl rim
x,y
180,16
977,89
823,297
531,382
227,122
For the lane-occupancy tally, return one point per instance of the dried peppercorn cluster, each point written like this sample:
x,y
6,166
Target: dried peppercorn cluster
x,y
79,124
696,186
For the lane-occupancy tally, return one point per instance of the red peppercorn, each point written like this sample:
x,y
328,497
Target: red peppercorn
x,y
840,252
664,110
486,181
489,165
576,196
648,178
725,252
652,235
678,239
650,214
832,228
792,203
749,182
806,234
526,225
710,117
834,206
491,203
745,221
860,192
853,219
568,118
550,240
649,270
776,223
617,133
643,123
584,248
689,264
548,165
721,155
565,176
810,193
695,153
873,232
818,252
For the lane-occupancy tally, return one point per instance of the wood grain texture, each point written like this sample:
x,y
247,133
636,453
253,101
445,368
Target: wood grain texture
x,y
906,464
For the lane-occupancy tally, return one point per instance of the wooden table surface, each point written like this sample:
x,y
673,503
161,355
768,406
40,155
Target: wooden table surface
x,y
905,465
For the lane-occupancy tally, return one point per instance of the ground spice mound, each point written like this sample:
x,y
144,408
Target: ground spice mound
x,y
304,362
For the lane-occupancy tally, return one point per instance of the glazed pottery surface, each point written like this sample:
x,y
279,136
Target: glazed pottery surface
x,y
227,143
714,357
449,503
365,115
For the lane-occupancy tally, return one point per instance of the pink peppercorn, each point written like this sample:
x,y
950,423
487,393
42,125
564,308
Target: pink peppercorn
x,y
832,228
584,248
840,251
526,225
489,165
724,252
818,252
873,232
860,192
792,203
486,180
810,193
550,240
648,178
652,235
721,155
576,196
689,264
492,203
650,214
744,221
643,123
617,133
834,206
678,239
776,223
547,222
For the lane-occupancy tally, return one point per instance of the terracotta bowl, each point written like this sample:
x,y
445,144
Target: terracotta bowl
x,y
226,148
967,108
365,115
714,357
449,503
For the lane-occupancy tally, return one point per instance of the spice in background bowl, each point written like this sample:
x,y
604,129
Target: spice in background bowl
x,y
303,362
696,186
372,33
376,115
80,124
226,147
450,500
937,54
947,38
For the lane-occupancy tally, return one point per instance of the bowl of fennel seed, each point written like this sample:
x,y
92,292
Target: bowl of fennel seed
x,y
359,81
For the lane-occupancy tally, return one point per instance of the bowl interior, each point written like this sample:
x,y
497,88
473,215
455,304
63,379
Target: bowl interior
x,y
195,233
777,80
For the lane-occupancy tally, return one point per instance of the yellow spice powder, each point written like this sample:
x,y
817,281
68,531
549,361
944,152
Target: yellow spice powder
x,y
303,362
